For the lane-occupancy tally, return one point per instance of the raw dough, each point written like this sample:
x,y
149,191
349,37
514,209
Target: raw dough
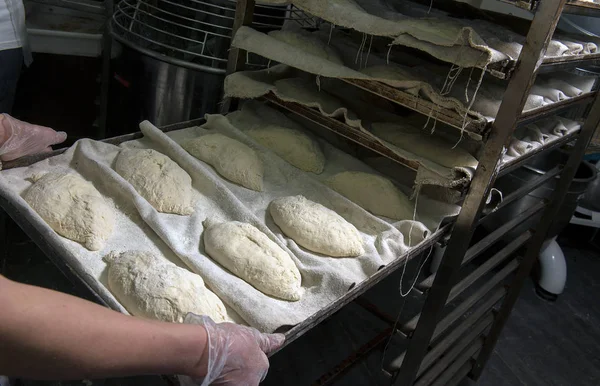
x,y
72,207
151,286
163,183
374,193
232,159
249,254
316,227
430,147
308,43
292,145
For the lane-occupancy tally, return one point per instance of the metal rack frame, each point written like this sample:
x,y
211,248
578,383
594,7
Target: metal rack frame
x,y
440,351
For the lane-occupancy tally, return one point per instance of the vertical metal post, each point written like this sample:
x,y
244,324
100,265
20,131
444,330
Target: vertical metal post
x,y
589,127
107,43
244,13
538,37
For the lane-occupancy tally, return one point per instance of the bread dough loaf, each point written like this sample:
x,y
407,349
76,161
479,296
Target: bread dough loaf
x,y
316,227
163,183
249,254
292,145
151,286
430,147
72,207
308,43
374,193
232,159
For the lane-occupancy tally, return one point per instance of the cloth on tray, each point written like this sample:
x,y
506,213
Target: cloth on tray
x,y
253,84
140,226
532,136
444,38
269,47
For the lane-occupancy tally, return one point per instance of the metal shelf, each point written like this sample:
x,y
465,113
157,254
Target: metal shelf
x,y
463,359
474,126
554,108
558,63
547,147
583,8
342,129
300,329
471,338
526,188
464,306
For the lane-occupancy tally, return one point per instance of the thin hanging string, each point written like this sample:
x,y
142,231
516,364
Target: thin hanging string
x,y
403,298
388,54
434,122
451,79
319,82
430,6
464,124
369,51
429,116
360,48
468,82
269,66
330,33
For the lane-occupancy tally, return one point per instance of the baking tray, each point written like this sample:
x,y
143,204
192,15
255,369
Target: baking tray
x,y
41,238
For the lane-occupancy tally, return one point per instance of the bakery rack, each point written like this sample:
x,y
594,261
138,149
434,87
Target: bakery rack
x,y
465,309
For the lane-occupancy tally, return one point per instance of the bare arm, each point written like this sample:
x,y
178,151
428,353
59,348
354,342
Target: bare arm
x,y
49,335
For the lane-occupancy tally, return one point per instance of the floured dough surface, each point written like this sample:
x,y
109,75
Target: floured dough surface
x,y
374,193
157,178
316,227
309,44
150,286
292,145
232,159
72,207
430,147
249,254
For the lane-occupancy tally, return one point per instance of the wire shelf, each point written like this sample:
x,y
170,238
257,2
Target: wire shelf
x,y
193,31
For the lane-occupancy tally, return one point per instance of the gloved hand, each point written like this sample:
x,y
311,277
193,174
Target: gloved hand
x,y
236,354
18,138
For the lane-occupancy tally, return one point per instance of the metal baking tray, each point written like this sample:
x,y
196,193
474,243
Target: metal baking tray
x,y
81,282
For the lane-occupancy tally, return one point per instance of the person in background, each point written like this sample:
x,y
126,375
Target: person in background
x,y
45,334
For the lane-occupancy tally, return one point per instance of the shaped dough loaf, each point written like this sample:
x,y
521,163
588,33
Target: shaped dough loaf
x,y
374,193
426,146
163,183
316,227
232,159
151,286
72,207
249,254
308,43
292,145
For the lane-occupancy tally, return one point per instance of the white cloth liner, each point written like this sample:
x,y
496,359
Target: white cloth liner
x,y
532,136
254,84
464,42
424,80
140,226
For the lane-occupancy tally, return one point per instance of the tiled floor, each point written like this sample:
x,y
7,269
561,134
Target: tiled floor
x,y
542,344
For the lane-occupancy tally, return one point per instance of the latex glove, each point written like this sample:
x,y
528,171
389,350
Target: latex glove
x,y
236,354
18,138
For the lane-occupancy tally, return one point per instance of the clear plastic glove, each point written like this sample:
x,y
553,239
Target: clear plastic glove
x,y
236,354
18,138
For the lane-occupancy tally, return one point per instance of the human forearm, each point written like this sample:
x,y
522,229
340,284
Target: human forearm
x,y
48,335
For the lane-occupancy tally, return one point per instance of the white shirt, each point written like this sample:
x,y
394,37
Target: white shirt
x,y
13,31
